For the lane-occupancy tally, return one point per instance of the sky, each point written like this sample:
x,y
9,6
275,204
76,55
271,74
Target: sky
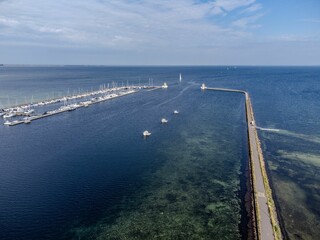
x,y
160,32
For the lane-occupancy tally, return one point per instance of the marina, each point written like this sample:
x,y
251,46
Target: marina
x,y
24,113
105,142
264,223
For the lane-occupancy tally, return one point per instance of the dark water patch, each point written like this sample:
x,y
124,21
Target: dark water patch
x,y
172,198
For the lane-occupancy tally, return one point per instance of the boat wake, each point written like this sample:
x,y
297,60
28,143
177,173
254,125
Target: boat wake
x,y
179,95
268,129
304,137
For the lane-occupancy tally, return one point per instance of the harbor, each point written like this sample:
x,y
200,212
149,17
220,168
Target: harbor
x,y
264,218
88,138
26,113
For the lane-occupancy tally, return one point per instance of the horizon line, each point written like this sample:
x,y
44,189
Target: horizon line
x,y
154,65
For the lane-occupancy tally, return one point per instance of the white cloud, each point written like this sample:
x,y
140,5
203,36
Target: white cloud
x,y
247,22
292,38
120,23
125,24
171,30
252,8
230,5
217,11
8,22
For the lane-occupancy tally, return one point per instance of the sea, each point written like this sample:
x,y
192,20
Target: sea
x,y
90,174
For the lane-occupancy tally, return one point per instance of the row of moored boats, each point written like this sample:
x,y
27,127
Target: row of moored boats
x,y
25,112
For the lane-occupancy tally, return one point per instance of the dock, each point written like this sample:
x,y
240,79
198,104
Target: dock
x,y
110,92
265,221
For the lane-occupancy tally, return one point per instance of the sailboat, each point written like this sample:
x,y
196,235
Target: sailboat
x,y
165,85
180,78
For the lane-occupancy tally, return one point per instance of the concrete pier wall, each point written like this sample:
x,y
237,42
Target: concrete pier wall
x,y
264,213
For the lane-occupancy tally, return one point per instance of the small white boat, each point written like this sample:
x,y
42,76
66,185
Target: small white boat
x,y
163,120
28,112
175,112
146,133
165,85
180,78
203,86
7,123
9,115
27,120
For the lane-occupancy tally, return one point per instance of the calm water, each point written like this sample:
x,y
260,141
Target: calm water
x,y
89,174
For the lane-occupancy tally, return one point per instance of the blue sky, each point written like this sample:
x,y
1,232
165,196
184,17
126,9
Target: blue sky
x,y
166,32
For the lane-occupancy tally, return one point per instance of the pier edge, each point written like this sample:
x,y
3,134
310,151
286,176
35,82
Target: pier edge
x,y
256,219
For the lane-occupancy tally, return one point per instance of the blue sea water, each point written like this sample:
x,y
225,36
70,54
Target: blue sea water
x,y
90,174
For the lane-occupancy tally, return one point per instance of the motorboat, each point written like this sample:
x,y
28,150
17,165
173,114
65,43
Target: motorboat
x,y
28,112
27,120
203,86
163,120
9,115
175,112
7,123
146,133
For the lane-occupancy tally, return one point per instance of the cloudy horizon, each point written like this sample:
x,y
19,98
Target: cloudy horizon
x,y
146,32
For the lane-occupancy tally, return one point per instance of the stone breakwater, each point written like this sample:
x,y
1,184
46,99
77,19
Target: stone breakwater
x,y
264,215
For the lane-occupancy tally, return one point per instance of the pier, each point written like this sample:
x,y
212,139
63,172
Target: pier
x,y
95,97
266,225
